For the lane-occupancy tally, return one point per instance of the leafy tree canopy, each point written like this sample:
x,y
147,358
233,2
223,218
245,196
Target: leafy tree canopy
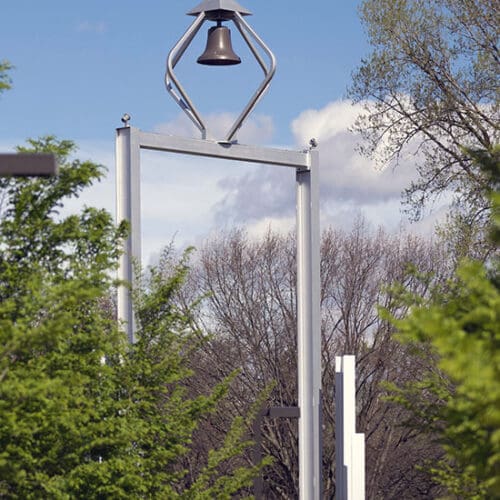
x,y
459,400
83,414
5,81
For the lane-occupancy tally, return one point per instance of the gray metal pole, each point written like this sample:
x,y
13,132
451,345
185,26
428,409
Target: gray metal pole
x,y
308,335
316,321
128,204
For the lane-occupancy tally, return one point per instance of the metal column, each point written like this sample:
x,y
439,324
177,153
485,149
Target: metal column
x,y
308,330
128,203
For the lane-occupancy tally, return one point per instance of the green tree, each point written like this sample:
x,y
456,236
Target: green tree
x,y
458,401
54,271
83,414
430,87
5,81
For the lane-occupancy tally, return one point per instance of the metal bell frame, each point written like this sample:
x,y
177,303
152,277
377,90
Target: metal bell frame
x,y
218,10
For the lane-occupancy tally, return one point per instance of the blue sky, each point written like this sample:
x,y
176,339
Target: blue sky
x,y
80,65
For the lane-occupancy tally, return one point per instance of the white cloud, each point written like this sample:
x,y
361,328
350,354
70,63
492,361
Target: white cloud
x,y
282,225
263,192
9,147
257,129
345,174
350,184
323,124
100,194
187,197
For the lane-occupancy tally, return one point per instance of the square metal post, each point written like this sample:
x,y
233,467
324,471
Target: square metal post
x,y
308,329
128,205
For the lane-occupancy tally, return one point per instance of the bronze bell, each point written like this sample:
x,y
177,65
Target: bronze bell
x,y
219,51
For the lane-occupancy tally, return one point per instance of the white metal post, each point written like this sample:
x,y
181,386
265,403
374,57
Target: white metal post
x,y
128,202
316,320
349,445
308,330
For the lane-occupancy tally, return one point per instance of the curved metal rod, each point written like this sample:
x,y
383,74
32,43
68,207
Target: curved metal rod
x,y
171,80
248,41
244,29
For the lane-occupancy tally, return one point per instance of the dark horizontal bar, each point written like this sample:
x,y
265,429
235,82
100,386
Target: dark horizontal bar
x,y
28,164
284,412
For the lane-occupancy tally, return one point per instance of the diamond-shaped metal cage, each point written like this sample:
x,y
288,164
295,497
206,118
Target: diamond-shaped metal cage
x,y
227,10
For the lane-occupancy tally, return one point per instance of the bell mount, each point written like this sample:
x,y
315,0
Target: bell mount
x,y
218,10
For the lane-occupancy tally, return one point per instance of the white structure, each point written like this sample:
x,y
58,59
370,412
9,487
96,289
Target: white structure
x,y
349,445
130,141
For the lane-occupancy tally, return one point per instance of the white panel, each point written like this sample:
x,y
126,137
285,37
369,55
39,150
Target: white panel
x,y
358,467
340,482
349,446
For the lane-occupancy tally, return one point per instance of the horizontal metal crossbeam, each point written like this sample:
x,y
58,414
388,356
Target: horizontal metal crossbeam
x,y
225,150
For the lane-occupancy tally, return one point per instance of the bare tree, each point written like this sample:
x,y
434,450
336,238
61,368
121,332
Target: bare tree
x,y
249,311
430,85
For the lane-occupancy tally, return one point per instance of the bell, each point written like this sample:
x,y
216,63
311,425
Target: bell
x,y
219,51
